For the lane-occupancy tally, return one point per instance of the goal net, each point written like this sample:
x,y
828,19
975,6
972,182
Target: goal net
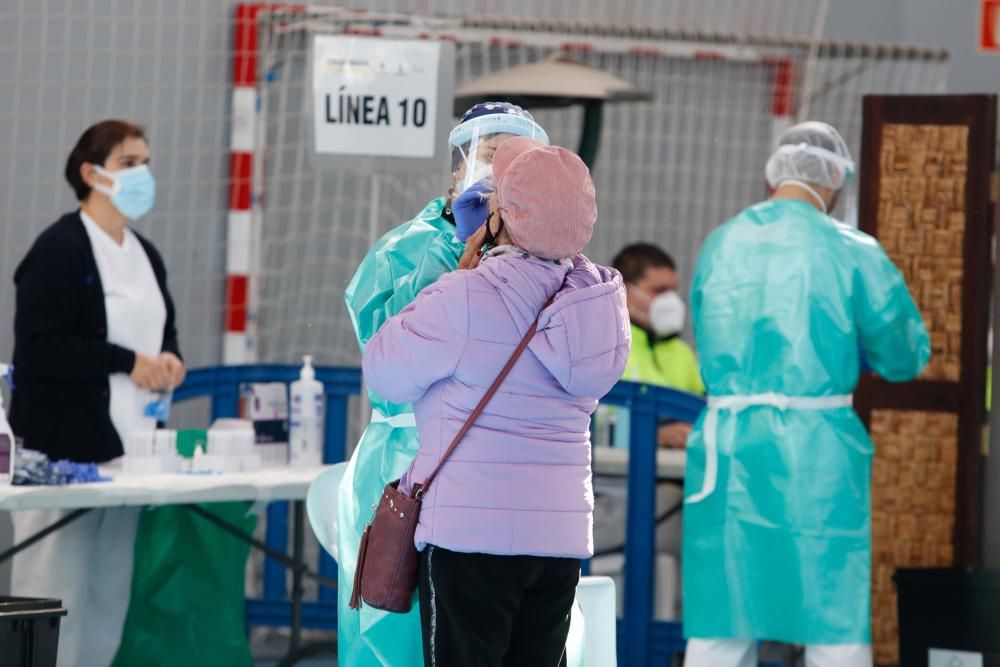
x,y
667,171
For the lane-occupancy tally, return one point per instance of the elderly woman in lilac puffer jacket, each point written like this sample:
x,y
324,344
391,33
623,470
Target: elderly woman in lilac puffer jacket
x,y
510,515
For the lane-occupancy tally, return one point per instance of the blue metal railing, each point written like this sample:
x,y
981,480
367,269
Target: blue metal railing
x,y
642,640
222,385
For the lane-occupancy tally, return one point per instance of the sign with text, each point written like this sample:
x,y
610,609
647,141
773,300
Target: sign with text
x,y
380,98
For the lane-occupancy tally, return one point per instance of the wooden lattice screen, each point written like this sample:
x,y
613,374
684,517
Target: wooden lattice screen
x,y
926,168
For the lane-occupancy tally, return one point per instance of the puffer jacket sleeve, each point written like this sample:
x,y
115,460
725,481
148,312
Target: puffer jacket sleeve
x,y
423,344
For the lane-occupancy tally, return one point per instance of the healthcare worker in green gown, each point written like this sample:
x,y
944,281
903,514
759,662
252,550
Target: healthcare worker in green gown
x,y
403,262
777,516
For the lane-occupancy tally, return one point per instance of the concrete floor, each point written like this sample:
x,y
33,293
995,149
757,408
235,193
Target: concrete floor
x,y
269,647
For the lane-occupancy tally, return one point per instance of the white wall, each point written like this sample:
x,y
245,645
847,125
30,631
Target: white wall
x,y
950,24
865,20
954,24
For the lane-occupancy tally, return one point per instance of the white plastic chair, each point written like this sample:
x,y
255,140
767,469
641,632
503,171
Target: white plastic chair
x,y
321,505
596,598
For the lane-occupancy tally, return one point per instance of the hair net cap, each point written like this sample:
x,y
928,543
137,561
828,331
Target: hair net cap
x,y
811,152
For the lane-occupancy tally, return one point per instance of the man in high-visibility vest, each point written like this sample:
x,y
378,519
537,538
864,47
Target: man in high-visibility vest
x,y
659,355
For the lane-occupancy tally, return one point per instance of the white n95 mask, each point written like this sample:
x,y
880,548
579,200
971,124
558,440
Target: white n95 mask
x,y
666,314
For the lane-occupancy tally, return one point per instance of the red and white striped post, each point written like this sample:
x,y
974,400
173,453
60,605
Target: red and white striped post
x,y
242,232
783,97
238,348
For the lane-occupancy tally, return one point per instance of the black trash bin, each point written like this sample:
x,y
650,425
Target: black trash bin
x,y
948,610
29,631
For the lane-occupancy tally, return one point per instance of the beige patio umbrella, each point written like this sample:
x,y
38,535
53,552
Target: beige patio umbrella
x,y
558,81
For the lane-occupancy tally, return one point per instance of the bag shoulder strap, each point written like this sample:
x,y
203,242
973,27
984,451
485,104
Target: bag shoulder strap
x,y
487,397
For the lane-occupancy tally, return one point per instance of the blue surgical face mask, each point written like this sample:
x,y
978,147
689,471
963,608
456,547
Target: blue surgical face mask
x,y
132,190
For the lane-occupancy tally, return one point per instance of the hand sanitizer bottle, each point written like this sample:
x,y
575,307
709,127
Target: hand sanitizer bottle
x,y
305,431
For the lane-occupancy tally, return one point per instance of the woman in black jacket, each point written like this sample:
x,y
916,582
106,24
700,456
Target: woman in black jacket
x,y
94,338
88,287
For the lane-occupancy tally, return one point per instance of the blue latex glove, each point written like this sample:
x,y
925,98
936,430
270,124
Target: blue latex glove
x,y
471,209
31,467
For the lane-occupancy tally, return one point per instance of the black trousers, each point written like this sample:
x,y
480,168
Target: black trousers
x,y
478,610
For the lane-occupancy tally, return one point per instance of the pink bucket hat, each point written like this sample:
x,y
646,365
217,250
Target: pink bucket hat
x,y
546,197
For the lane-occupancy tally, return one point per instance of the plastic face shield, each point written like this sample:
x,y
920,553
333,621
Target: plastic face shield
x,y
476,141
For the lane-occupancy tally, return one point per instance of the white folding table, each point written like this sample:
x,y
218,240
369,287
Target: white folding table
x,y
188,490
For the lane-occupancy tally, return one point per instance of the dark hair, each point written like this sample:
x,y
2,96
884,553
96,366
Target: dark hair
x,y
94,146
633,261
